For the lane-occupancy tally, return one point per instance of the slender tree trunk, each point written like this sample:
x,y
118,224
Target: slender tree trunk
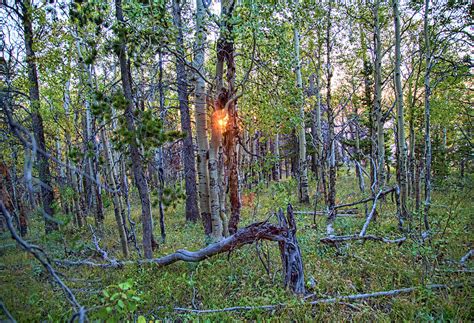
x,y
303,167
428,61
402,149
138,171
216,139
192,211
380,141
201,120
331,200
159,152
47,197
115,195
277,176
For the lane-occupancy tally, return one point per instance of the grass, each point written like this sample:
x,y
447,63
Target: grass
x,y
240,278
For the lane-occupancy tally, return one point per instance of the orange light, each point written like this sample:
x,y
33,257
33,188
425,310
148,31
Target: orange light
x,y
222,121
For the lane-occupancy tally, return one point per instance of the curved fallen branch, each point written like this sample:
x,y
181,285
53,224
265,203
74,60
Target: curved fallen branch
x,y
254,232
284,233
334,240
334,300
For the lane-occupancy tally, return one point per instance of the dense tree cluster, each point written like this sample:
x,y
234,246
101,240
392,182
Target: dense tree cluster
x,y
142,104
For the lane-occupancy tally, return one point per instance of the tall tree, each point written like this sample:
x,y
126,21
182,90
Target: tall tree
x,y
192,211
331,200
303,167
47,197
402,148
137,165
201,119
378,140
428,67
227,100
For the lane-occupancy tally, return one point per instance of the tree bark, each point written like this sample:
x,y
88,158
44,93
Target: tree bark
x,y
201,120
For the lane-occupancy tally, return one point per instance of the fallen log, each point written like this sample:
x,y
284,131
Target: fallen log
x,y
284,233
334,240
254,232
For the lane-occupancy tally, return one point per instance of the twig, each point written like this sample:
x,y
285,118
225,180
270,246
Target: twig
x,y
323,213
466,257
371,214
102,252
7,313
368,199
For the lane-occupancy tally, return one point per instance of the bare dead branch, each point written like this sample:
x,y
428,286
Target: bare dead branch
x,y
334,240
40,255
466,257
247,235
7,313
368,199
334,300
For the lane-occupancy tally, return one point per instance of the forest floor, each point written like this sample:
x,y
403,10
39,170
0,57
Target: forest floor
x,y
240,279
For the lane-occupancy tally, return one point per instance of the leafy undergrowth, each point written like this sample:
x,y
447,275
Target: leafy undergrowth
x,y
241,279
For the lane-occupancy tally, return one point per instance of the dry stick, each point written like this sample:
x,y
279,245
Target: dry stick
x,y
7,313
335,239
102,252
371,214
334,300
323,213
39,254
368,199
466,257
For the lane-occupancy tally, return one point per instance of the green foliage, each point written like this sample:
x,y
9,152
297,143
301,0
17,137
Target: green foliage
x,y
119,302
